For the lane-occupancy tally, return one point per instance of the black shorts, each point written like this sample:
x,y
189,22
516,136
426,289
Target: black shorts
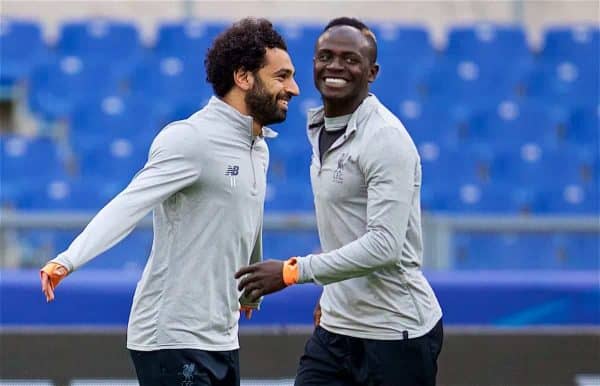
x,y
338,360
187,367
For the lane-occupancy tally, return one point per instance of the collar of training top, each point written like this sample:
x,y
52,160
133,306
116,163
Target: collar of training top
x,y
316,116
244,122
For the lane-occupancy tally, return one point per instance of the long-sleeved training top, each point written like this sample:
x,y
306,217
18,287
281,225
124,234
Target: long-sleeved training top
x,y
367,201
205,181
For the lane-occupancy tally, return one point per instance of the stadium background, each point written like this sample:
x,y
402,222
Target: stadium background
x,y
500,97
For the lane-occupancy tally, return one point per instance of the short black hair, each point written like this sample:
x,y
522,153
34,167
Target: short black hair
x,y
359,25
243,45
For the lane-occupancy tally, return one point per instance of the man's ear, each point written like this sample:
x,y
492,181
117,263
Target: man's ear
x,y
373,71
243,78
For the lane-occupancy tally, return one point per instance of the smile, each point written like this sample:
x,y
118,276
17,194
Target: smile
x,y
284,102
336,82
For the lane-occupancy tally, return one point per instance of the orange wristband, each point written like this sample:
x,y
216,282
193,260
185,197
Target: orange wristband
x,y
290,271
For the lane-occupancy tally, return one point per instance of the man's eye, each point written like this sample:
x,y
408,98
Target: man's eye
x,y
351,61
323,57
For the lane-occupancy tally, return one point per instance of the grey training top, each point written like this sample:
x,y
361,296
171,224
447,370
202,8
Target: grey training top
x,y
367,200
205,180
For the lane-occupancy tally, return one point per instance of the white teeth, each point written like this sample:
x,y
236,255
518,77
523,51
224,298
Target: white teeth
x,y
335,81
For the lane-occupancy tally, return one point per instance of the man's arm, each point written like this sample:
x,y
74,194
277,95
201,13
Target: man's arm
x,y
389,164
172,165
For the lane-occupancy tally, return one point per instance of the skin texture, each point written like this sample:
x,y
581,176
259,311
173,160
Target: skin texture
x,y
341,52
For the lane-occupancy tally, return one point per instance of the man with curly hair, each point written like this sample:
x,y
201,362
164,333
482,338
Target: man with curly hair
x,y
378,322
205,182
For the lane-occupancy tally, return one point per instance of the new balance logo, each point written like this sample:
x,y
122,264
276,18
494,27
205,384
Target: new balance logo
x,y
232,170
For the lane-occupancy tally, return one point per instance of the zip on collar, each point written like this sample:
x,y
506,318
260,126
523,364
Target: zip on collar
x,y
239,120
316,116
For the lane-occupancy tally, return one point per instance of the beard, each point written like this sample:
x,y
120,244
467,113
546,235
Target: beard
x,y
263,106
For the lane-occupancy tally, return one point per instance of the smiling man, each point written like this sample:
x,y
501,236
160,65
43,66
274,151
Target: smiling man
x,y
205,180
378,322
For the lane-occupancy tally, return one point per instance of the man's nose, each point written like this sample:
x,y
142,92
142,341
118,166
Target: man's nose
x,y
292,88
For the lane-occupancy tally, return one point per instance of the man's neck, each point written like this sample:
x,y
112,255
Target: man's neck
x,y
337,107
236,101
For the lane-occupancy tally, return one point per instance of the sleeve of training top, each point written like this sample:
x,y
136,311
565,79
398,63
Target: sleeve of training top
x,y
255,257
388,163
173,163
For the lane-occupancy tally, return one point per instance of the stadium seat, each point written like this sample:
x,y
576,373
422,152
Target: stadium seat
x,y
290,196
28,158
405,47
18,63
188,39
584,126
117,158
573,198
67,194
56,89
284,244
563,83
167,81
488,43
504,250
576,251
579,44
114,117
113,44
511,124
471,82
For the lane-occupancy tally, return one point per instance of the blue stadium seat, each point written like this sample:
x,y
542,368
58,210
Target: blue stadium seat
x,y
187,39
511,124
63,194
579,44
285,244
168,81
497,251
29,158
114,44
403,44
478,198
529,166
573,198
290,196
576,251
114,117
584,126
118,158
17,62
564,83
57,88
489,43
472,82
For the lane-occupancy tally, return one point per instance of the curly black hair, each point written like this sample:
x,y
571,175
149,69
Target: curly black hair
x,y
243,45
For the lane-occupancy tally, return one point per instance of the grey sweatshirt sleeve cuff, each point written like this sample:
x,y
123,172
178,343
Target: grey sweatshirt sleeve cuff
x,y
305,274
63,260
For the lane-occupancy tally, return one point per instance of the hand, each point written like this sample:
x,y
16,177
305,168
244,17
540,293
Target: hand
x,y
261,279
317,314
50,275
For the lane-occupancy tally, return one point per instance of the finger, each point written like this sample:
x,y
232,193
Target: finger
x,y
253,295
248,313
247,281
253,286
245,270
49,294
